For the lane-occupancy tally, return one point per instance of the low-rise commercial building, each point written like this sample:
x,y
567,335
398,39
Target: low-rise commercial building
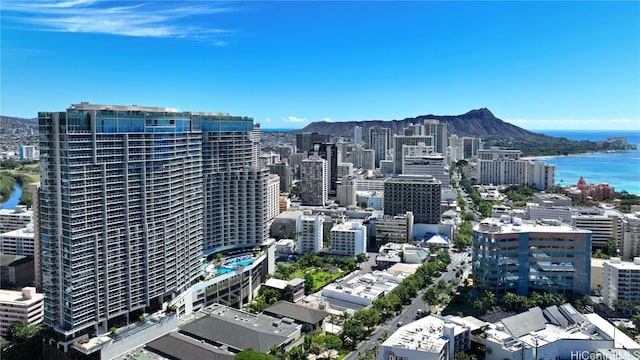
x,y
429,338
556,332
292,289
396,228
14,219
25,306
16,270
18,242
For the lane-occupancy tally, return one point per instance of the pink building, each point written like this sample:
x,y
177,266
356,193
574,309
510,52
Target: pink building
x,y
24,306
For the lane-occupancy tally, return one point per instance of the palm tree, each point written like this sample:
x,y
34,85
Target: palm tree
x,y
275,350
345,316
332,320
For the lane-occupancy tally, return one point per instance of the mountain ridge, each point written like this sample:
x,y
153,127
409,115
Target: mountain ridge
x,y
477,122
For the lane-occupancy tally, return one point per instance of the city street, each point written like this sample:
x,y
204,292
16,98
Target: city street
x,y
408,312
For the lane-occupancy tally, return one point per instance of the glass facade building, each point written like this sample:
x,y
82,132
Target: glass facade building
x,y
130,197
513,255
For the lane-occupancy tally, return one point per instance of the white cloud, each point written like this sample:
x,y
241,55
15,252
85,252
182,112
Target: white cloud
x,y
294,119
623,121
327,120
267,120
153,19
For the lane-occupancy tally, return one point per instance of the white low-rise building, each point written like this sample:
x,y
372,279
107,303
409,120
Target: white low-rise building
x,y
348,239
557,332
621,281
14,219
18,242
429,338
359,292
285,247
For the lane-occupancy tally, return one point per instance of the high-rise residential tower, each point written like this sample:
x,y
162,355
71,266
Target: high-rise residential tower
x,y
121,211
357,135
315,181
379,141
130,198
440,134
400,141
235,204
419,194
305,141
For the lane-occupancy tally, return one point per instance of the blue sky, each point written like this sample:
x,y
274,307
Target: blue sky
x,y
539,65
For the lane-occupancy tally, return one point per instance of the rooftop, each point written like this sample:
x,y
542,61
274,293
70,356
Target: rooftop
x,y
24,233
16,297
624,265
536,327
13,260
425,334
297,312
506,224
219,324
178,346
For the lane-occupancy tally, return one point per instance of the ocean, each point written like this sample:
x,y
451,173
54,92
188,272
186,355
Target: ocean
x,y
619,169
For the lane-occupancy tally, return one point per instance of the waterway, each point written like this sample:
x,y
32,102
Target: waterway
x,y
13,199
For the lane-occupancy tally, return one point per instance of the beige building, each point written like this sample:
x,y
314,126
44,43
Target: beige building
x,y
630,244
397,229
24,306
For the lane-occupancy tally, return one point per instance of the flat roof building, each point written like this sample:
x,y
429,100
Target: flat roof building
x,y
419,194
18,242
240,330
14,219
555,332
348,239
512,255
621,281
25,306
429,338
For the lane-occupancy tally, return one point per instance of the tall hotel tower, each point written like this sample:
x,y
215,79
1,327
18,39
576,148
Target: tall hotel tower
x,y
130,197
234,189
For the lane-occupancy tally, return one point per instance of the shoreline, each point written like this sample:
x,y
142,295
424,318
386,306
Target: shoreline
x,y
576,154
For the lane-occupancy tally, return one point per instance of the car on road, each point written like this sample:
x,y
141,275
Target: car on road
x,y
400,323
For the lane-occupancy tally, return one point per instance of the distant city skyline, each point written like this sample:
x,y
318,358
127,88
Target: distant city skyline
x,y
537,65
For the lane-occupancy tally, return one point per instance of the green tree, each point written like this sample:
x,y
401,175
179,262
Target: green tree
x,y
352,331
332,341
309,283
9,164
250,354
635,319
612,247
297,353
20,331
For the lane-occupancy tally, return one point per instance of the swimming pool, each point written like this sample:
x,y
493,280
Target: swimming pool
x,y
230,268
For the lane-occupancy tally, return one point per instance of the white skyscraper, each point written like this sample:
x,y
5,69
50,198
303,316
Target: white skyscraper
x,y
357,135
